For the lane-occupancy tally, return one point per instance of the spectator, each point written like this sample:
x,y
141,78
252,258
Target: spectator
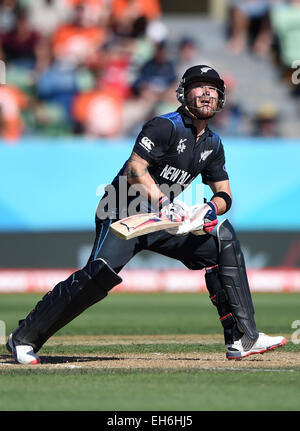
x,y
266,121
112,66
7,15
249,26
144,47
18,46
46,119
157,75
98,112
285,19
46,15
96,12
189,54
130,17
154,87
78,41
58,81
12,102
151,9
58,84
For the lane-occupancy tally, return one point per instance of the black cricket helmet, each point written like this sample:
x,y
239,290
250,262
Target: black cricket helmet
x,y
202,73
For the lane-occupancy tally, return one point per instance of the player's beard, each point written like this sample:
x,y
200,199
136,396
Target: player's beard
x,y
201,110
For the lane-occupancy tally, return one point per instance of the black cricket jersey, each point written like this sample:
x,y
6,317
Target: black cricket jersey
x,y
169,144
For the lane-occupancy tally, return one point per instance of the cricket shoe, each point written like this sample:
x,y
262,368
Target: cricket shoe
x,y
245,347
23,354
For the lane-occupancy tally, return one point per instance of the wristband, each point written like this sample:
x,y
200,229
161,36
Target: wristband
x,y
226,197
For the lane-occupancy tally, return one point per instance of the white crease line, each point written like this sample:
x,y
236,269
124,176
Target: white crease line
x,y
250,369
68,366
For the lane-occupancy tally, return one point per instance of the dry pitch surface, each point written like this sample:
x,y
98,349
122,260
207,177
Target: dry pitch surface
x,y
277,360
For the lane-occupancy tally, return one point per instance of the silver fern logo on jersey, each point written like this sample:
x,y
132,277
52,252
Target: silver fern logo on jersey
x,y
204,155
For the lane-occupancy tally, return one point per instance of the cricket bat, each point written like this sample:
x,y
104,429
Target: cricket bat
x,y
142,224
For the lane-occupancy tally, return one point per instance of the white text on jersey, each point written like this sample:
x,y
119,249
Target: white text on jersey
x,y
174,174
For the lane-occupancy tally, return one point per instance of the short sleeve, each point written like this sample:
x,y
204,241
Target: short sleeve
x,y
153,141
215,170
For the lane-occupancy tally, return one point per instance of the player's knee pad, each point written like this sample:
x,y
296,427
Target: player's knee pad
x,y
67,300
204,255
92,283
84,287
233,276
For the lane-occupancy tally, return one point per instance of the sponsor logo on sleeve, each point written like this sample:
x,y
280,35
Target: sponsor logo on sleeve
x,y
146,143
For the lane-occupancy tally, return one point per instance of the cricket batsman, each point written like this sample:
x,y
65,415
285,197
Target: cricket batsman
x,y
171,150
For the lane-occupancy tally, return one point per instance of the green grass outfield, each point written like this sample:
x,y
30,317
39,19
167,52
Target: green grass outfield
x,y
198,389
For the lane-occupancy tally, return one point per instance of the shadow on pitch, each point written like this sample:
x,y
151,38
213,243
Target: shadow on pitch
x,y
9,359
76,359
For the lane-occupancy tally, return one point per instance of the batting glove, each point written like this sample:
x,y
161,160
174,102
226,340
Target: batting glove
x,y
205,216
176,211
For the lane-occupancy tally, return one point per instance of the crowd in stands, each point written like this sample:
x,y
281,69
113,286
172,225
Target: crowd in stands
x,y
101,68
268,28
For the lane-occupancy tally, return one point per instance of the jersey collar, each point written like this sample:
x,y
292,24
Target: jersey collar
x,y
186,118
188,121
